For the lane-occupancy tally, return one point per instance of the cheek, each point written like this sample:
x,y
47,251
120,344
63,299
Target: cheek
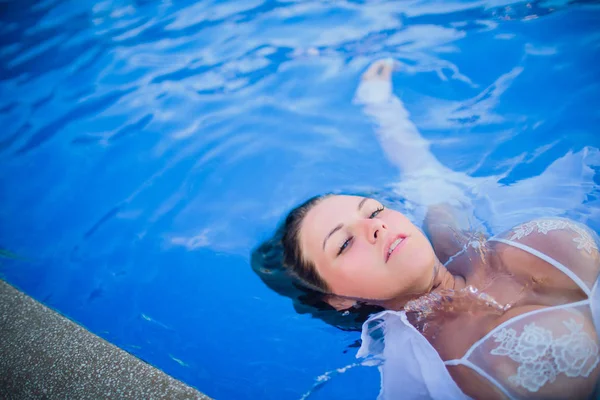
x,y
357,261
397,221
367,254
358,266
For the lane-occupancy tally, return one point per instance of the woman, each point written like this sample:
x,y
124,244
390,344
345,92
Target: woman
x,y
523,299
503,317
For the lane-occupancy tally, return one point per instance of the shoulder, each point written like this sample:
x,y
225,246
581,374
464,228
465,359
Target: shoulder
x,y
568,246
446,230
553,229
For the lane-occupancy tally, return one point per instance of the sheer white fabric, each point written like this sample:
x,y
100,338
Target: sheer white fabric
x,y
411,368
532,350
595,305
524,356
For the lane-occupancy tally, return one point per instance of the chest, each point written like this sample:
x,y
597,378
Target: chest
x,y
515,277
511,277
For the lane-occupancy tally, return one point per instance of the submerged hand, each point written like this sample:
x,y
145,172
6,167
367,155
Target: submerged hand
x,y
376,83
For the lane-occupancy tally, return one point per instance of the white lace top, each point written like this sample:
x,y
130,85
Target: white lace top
x,y
520,356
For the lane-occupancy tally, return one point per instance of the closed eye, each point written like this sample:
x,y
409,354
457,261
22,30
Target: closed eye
x,y
345,245
376,212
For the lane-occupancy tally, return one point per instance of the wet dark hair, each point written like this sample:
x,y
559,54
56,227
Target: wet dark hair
x,y
293,259
281,266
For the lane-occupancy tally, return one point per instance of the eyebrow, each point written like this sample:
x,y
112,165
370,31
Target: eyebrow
x,y
334,230
340,226
362,203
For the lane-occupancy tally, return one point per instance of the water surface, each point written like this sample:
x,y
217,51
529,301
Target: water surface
x,y
147,147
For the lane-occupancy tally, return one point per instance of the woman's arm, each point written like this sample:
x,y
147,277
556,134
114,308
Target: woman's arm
x,y
424,180
398,136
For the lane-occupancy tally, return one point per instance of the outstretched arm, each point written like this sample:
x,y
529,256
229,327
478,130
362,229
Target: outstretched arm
x,y
424,180
398,136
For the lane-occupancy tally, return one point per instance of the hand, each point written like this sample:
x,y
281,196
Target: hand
x,y
379,70
376,83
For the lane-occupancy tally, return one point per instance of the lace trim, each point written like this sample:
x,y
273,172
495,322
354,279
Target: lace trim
x,y
542,357
584,240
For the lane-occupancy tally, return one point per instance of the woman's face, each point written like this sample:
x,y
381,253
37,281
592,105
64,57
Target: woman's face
x,y
365,251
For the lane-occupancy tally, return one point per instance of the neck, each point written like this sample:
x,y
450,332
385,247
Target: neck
x,y
444,280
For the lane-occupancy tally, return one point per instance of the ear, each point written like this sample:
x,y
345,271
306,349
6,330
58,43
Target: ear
x,y
339,303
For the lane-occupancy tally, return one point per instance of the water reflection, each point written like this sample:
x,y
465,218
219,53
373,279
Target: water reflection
x,y
147,147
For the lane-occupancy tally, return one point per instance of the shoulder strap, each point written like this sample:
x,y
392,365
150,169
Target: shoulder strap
x,y
549,260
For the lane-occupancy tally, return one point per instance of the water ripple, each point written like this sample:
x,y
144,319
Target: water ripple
x,y
148,146
89,107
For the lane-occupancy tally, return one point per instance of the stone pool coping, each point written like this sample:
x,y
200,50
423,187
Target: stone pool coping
x,y
44,355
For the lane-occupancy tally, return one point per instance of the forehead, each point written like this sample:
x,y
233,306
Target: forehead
x,y
323,217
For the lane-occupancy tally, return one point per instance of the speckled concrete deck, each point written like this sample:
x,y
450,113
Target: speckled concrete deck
x,y
43,355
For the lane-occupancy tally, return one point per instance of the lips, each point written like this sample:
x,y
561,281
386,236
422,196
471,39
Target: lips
x,y
393,245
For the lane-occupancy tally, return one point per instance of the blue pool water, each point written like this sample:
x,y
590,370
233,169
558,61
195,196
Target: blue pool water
x,y
146,147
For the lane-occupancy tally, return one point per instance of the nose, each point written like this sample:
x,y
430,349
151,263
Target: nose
x,y
374,229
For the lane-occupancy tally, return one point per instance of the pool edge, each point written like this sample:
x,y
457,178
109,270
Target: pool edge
x,y
45,355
